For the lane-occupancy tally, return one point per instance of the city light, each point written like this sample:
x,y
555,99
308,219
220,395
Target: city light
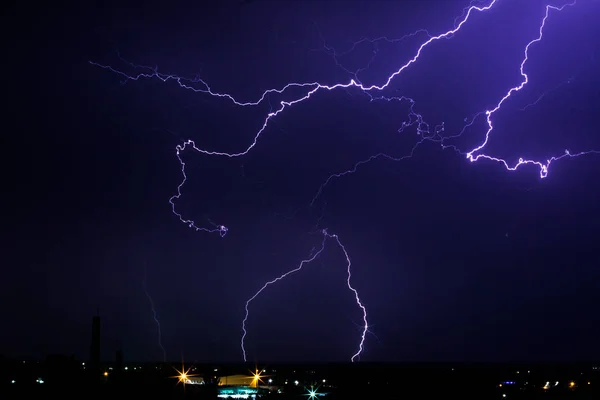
x,y
312,393
257,377
183,375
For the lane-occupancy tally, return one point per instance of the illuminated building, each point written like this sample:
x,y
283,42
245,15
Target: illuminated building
x,y
236,380
240,392
254,380
242,386
194,380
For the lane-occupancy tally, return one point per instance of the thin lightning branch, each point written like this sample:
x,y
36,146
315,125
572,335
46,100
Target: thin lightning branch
x,y
374,42
352,170
320,219
313,255
414,120
154,314
544,94
221,229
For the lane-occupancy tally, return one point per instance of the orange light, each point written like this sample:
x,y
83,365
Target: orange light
x,y
105,373
257,378
571,384
183,375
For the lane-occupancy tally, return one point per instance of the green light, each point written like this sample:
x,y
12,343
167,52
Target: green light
x,y
234,391
312,393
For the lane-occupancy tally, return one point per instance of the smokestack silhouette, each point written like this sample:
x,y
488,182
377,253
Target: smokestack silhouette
x,y
95,346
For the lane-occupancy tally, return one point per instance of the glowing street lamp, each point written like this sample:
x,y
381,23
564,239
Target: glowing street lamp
x,y
183,376
257,378
312,393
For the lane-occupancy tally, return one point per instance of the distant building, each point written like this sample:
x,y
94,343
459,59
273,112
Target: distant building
x,y
240,392
240,387
236,380
195,380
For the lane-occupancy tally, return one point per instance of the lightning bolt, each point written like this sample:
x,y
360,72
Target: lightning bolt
x,y
542,165
423,128
304,91
154,314
315,253
221,229
311,88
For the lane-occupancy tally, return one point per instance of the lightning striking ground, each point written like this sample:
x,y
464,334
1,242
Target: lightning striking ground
x,y
315,253
414,120
154,314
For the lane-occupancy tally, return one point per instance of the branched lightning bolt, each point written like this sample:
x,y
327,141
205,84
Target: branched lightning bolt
x,y
543,165
336,55
313,255
309,88
471,155
154,314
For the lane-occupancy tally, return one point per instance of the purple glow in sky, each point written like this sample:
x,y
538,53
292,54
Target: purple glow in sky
x,y
298,92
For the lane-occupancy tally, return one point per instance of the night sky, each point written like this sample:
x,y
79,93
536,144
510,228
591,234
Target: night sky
x,y
454,260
